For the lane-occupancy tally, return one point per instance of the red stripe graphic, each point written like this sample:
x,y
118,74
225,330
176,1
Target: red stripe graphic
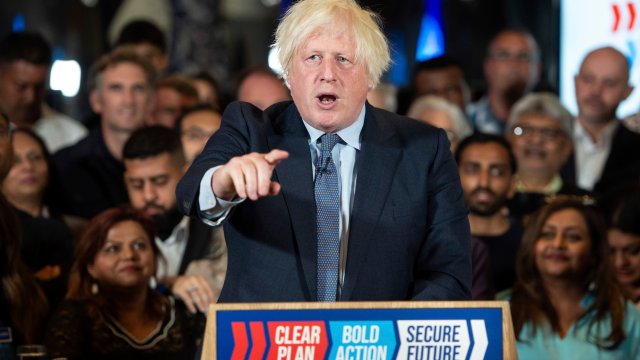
x,y
258,339
632,13
241,343
616,17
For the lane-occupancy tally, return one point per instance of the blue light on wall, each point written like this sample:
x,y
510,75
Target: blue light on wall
x,y
431,38
18,24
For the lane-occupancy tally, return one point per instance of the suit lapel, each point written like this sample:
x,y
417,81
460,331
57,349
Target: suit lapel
x,y
295,176
376,164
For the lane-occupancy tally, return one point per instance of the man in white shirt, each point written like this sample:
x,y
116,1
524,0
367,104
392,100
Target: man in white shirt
x,y
194,255
605,150
24,67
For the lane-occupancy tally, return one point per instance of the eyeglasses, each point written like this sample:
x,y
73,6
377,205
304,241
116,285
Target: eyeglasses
x,y
196,135
507,56
544,133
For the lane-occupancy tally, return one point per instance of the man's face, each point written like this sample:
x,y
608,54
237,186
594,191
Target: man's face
x,y
22,91
6,152
486,177
447,83
601,85
151,183
262,90
539,144
123,97
327,86
195,130
169,106
511,65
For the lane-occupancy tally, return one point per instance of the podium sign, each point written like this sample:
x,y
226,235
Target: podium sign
x,y
367,330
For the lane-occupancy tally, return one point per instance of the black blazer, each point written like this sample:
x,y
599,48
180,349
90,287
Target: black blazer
x,y
199,246
409,234
622,168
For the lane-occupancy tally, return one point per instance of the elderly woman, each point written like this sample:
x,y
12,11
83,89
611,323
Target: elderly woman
x,y
566,303
111,312
440,113
624,243
539,130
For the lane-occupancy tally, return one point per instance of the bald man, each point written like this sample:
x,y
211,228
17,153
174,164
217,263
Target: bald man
x,y
605,150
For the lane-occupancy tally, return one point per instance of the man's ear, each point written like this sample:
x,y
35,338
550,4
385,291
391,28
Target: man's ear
x,y
94,101
628,91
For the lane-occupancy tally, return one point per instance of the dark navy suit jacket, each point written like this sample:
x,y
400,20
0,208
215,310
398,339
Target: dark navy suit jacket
x,y
409,234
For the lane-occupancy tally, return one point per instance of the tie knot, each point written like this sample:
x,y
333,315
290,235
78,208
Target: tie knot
x,y
328,141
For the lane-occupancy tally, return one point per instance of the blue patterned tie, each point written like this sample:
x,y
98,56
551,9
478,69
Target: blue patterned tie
x,y
327,219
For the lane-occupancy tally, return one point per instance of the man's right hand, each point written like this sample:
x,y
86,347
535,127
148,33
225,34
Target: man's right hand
x,y
248,176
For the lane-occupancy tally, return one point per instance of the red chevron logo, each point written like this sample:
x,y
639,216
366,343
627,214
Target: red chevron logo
x,y
241,343
258,340
618,14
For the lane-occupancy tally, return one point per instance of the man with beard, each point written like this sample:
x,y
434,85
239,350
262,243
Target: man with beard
x,y
121,84
511,69
487,165
605,155
194,254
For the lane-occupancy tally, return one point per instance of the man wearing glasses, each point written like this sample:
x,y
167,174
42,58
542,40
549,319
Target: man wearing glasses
x,y
511,69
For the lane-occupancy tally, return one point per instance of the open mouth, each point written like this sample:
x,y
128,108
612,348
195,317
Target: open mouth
x,y
533,152
327,99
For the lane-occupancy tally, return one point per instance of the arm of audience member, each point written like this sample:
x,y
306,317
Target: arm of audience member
x,y
443,265
193,290
213,271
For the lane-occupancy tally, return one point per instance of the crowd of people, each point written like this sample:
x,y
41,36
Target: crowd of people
x,y
111,235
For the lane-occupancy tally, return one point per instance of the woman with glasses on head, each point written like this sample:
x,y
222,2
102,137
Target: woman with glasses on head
x,y
565,302
539,130
111,311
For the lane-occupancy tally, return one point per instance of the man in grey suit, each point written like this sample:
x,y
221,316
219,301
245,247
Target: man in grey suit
x,y
399,228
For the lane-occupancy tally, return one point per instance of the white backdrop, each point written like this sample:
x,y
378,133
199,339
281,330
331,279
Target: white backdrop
x,y
589,24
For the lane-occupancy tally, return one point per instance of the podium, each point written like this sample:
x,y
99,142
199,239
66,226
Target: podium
x,y
415,330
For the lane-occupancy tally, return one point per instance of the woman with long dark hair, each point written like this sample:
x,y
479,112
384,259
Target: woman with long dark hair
x,y
23,306
565,303
624,242
111,311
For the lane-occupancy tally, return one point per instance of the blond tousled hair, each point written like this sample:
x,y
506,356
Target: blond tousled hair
x,y
308,17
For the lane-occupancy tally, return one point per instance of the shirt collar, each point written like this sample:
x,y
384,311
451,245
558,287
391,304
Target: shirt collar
x,y
350,135
581,135
180,232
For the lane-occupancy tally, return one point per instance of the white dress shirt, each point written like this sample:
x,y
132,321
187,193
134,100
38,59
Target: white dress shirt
x,y
172,249
591,156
